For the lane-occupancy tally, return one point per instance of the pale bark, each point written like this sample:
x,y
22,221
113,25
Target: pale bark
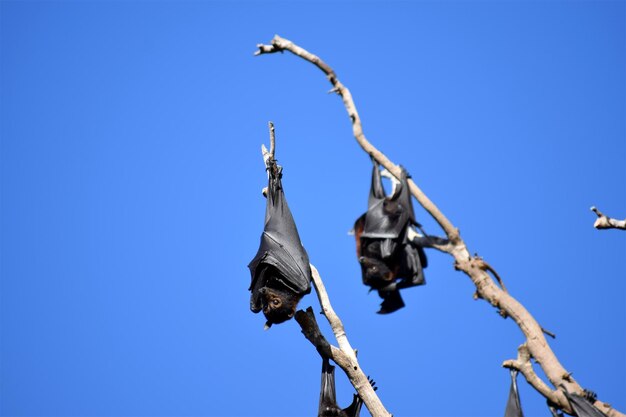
x,y
536,344
605,222
344,356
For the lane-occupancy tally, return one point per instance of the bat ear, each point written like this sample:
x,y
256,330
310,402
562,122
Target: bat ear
x,y
267,325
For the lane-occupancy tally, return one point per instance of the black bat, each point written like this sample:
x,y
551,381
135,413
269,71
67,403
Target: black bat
x,y
389,260
513,405
328,402
280,271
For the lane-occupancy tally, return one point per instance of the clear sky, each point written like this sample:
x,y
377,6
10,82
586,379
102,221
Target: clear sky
x,y
131,198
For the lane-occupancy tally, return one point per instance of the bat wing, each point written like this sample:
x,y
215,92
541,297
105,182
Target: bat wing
x,y
582,407
422,256
412,269
392,301
328,402
354,409
358,231
405,195
513,405
377,192
379,221
280,245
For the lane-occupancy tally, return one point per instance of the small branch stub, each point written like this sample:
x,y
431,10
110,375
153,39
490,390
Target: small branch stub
x,y
272,139
605,222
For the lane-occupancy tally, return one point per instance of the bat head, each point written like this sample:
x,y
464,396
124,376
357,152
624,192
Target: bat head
x,y
392,208
278,305
376,273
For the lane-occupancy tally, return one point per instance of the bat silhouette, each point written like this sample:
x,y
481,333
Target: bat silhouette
x,y
389,260
280,270
328,406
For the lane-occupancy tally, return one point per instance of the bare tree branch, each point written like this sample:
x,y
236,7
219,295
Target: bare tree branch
x,y
524,365
486,288
310,330
604,222
280,44
344,356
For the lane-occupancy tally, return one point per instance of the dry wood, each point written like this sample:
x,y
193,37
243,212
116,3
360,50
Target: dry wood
x,y
343,355
536,344
605,222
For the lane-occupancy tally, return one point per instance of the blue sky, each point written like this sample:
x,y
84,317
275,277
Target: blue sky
x,y
131,198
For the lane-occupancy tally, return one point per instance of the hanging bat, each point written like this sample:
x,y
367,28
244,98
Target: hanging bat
x,y
328,402
280,271
389,260
513,405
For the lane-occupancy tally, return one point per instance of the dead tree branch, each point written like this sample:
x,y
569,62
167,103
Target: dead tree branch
x,y
486,288
344,355
524,365
605,222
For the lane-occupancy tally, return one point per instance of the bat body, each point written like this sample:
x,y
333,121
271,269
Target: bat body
x,y
389,260
280,270
328,406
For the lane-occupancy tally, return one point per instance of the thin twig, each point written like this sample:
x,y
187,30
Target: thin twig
x,y
272,139
269,155
485,286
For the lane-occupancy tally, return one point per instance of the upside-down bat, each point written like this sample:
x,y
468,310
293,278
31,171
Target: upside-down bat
x,y
389,259
328,402
280,271
513,405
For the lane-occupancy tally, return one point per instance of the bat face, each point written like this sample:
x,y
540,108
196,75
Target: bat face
x,y
278,305
376,273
